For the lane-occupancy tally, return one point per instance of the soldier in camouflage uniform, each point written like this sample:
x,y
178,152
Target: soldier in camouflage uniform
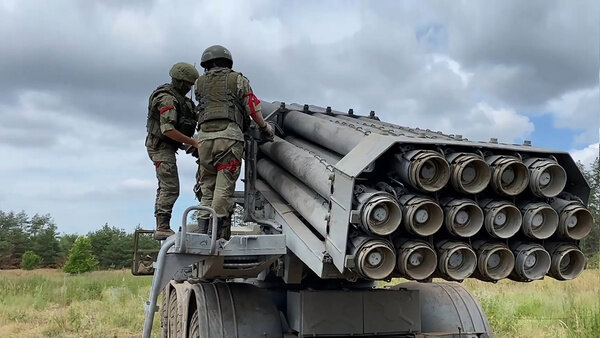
x,y
171,123
226,104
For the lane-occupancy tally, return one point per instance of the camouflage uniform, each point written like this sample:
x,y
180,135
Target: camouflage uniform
x,y
167,110
225,104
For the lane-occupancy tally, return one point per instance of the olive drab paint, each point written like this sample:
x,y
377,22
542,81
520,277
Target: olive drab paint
x,y
217,95
185,121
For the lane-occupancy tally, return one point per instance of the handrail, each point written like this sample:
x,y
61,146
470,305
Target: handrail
x,y
156,282
213,237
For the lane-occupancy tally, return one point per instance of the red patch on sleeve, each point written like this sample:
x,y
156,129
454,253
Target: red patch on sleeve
x,y
253,101
231,166
157,164
167,108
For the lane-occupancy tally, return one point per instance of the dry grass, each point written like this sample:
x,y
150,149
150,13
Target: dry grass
x,y
50,303
547,308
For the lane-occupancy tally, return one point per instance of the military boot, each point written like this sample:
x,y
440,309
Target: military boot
x,y
200,228
203,225
163,229
224,227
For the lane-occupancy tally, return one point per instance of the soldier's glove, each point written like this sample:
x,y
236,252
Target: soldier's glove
x,y
267,132
192,151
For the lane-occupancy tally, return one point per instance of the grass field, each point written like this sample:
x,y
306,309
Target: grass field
x,y
43,303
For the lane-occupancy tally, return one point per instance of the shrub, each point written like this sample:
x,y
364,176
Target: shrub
x,y
80,257
30,260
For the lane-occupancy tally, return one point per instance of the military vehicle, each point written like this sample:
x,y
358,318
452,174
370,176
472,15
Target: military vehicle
x,y
338,205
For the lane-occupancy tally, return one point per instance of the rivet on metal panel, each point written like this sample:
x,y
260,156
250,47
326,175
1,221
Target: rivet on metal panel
x,y
350,111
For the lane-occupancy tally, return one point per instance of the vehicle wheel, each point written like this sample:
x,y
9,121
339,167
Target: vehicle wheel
x,y
164,323
449,308
174,327
237,310
194,326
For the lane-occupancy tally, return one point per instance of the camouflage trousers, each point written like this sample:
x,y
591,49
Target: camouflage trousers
x,y
219,162
168,185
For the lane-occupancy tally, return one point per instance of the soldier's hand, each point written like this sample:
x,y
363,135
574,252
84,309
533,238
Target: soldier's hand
x,y
267,131
192,150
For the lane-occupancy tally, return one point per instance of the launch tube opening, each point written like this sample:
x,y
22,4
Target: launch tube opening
x,y
424,170
575,223
496,263
568,262
502,219
540,221
457,260
464,219
547,178
532,262
470,174
381,215
509,175
416,260
423,217
375,259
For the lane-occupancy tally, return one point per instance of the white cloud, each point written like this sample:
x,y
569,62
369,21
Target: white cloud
x,y
75,78
586,155
483,122
579,110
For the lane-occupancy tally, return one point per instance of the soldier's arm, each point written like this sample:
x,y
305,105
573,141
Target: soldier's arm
x,y
250,102
168,118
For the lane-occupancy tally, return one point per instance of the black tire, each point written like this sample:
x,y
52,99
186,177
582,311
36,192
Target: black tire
x,y
174,327
194,326
164,323
234,310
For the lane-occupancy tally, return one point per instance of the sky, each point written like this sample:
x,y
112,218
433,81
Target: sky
x,y
75,77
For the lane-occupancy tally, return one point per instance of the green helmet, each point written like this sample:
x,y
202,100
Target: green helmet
x,y
184,72
215,52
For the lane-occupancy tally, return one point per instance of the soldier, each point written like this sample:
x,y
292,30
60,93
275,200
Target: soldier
x,y
225,105
171,122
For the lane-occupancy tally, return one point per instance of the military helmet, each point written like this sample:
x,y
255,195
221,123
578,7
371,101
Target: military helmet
x,y
184,72
215,52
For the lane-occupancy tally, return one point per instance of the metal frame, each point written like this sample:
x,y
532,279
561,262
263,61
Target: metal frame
x,y
184,249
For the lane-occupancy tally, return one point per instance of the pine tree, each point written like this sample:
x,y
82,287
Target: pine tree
x,y
30,260
590,245
80,257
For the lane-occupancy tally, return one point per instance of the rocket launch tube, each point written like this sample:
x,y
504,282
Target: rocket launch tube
x,y
568,261
328,155
301,164
304,200
495,261
575,221
336,137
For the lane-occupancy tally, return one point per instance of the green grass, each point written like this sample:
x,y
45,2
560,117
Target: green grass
x,y
547,308
50,303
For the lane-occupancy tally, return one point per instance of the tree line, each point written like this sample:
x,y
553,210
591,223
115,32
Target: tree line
x,y
111,247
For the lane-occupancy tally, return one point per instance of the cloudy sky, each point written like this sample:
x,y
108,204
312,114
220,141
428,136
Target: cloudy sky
x,y
75,78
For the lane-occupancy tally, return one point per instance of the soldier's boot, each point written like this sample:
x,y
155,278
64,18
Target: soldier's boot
x,y
200,228
224,227
163,229
203,225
